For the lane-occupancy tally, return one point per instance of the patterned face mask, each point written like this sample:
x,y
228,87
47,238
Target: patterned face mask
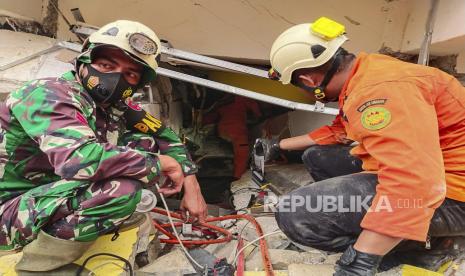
x,y
106,88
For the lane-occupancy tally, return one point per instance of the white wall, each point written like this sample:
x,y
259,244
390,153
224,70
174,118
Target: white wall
x,y
449,28
27,8
246,28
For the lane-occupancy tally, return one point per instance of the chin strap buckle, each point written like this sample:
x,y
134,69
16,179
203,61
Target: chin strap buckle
x,y
319,93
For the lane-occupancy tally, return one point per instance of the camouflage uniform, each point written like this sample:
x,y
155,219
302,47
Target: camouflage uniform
x,y
70,167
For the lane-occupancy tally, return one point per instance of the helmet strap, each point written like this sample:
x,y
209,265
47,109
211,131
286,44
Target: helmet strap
x,y
319,91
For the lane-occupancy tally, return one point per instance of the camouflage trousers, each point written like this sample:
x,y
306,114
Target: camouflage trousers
x,y
72,210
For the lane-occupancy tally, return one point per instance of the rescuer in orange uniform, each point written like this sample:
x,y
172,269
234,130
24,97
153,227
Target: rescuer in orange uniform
x,y
232,126
232,113
409,122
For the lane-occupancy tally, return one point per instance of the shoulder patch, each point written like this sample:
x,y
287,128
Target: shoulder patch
x,y
375,118
370,103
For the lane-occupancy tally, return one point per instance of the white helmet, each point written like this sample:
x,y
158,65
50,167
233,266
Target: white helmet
x,y
136,39
306,45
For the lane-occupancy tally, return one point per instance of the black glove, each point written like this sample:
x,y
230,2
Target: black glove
x,y
269,148
356,263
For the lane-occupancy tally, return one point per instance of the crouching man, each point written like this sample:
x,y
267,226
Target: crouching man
x,y
74,155
409,121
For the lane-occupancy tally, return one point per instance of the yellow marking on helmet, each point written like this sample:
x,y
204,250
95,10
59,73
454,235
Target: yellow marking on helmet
x,y
327,29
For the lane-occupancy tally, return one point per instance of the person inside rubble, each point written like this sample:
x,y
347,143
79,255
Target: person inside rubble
x,y
232,112
74,156
409,122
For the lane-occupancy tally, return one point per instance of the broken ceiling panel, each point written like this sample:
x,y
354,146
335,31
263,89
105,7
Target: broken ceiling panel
x,y
16,46
242,29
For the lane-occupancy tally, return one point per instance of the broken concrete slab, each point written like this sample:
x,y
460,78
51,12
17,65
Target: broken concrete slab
x,y
249,232
281,259
286,178
310,269
396,271
242,190
15,46
224,250
457,267
332,259
173,263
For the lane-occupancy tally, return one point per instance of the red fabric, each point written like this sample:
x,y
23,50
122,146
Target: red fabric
x,y
232,126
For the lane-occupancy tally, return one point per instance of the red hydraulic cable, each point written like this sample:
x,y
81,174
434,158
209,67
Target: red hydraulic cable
x,y
172,238
263,246
163,230
241,260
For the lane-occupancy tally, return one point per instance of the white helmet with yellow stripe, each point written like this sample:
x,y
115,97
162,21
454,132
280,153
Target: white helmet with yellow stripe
x,y
306,45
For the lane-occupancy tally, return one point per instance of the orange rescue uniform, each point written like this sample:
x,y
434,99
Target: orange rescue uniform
x,y
409,121
232,127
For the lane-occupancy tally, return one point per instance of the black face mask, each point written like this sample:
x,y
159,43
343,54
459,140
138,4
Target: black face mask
x,y
106,88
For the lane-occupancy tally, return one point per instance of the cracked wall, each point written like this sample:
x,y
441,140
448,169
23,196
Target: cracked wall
x,y
244,29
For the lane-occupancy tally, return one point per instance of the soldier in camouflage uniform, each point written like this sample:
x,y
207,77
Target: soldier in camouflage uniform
x,y
75,151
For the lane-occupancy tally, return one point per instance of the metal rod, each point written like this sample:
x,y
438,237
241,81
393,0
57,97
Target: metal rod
x,y
188,56
245,93
213,61
423,57
230,89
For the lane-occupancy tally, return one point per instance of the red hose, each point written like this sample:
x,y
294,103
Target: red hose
x,y
241,259
172,239
263,247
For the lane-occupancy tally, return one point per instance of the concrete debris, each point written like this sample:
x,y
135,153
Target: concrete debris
x,y
277,241
268,224
242,190
18,23
445,63
281,259
332,259
456,268
305,248
17,45
396,271
173,263
286,178
306,269
227,250
50,20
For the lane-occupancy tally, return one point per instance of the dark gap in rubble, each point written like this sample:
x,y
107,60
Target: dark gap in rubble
x,y
50,21
22,25
211,123
444,63
48,27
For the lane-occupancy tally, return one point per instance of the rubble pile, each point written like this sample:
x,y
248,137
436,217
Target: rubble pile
x,y
286,257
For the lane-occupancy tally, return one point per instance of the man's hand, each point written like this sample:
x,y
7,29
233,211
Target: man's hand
x,y
171,169
269,148
193,201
